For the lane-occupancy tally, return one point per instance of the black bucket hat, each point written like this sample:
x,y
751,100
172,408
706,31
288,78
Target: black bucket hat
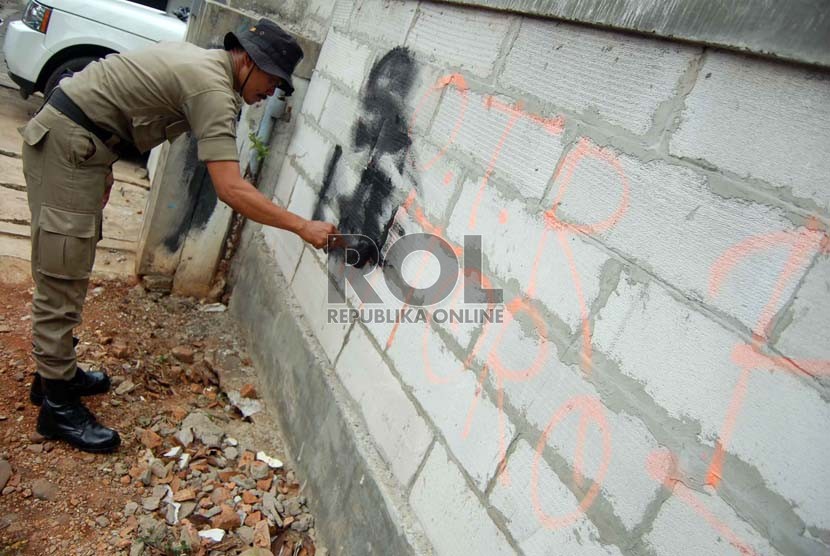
x,y
272,49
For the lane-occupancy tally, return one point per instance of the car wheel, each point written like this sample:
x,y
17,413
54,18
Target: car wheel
x,y
66,69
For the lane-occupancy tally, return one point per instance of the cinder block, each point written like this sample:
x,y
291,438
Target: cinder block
x,y
447,394
512,242
681,530
386,21
673,224
344,60
452,516
287,246
399,431
784,109
438,178
620,77
625,483
315,98
525,155
427,86
777,446
341,14
536,535
311,152
685,362
808,335
339,116
310,286
466,38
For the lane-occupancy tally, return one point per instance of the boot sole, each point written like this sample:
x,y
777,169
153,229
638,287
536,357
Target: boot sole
x,y
93,450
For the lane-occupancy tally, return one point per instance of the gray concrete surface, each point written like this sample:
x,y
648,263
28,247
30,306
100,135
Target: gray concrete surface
x,y
358,508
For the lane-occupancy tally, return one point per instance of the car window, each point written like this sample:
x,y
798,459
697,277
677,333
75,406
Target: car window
x,y
157,4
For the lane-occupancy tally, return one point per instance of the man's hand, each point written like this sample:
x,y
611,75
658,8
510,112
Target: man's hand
x,y
320,234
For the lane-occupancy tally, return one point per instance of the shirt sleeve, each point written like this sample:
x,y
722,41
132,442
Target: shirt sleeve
x,y
212,117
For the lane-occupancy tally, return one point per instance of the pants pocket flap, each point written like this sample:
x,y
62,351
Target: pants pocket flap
x,y
33,132
75,224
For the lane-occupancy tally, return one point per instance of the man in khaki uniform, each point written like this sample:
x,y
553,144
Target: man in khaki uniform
x,y
144,97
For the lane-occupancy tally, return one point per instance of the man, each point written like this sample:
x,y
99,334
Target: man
x,y
144,97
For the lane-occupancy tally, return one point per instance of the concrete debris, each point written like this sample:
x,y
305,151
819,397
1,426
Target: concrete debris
x,y
246,406
212,308
215,535
273,463
205,430
173,452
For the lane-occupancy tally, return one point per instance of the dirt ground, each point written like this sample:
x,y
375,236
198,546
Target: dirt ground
x,y
186,448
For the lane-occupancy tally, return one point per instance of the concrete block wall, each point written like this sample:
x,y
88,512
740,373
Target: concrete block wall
x,y
656,214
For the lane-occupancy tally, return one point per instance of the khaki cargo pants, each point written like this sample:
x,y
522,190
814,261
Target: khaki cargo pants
x,y
66,169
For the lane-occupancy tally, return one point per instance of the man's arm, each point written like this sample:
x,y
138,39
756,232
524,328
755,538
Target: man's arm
x,y
246,199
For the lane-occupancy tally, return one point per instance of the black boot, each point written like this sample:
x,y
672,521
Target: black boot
x,y
84,383
63,416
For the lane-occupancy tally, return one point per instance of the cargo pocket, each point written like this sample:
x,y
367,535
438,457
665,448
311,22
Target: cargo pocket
x,y
66,243
33,132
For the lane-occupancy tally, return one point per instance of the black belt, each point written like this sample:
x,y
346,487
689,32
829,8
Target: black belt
x,y
68,108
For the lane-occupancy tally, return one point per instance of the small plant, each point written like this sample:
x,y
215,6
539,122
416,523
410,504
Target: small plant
x,y
261,148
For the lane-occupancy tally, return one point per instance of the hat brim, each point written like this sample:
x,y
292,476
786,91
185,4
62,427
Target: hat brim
x,y
261,59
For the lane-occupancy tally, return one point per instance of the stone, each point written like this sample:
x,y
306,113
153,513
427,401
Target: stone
x,y
219,495
151,529
245,534
184,353
150,503
205,430
210,512
5,473
227,519
130,508
190,538
256,551
259,470
44,490
293,506
302,523
102,522
231,453
184,495
248,391
250,497
244,482
125,388
262,536
186,509
137,548
150,439
35,448
272,508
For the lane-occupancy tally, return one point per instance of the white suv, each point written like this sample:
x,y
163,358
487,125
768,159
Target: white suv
x,y
58,37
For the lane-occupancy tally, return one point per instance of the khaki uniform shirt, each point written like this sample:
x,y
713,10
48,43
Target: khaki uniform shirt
x,y
155,94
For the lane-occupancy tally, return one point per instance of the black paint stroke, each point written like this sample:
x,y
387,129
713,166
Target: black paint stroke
x,y
382,129
199,202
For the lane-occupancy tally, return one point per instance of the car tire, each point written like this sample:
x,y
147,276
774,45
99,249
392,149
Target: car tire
x,y
67,68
